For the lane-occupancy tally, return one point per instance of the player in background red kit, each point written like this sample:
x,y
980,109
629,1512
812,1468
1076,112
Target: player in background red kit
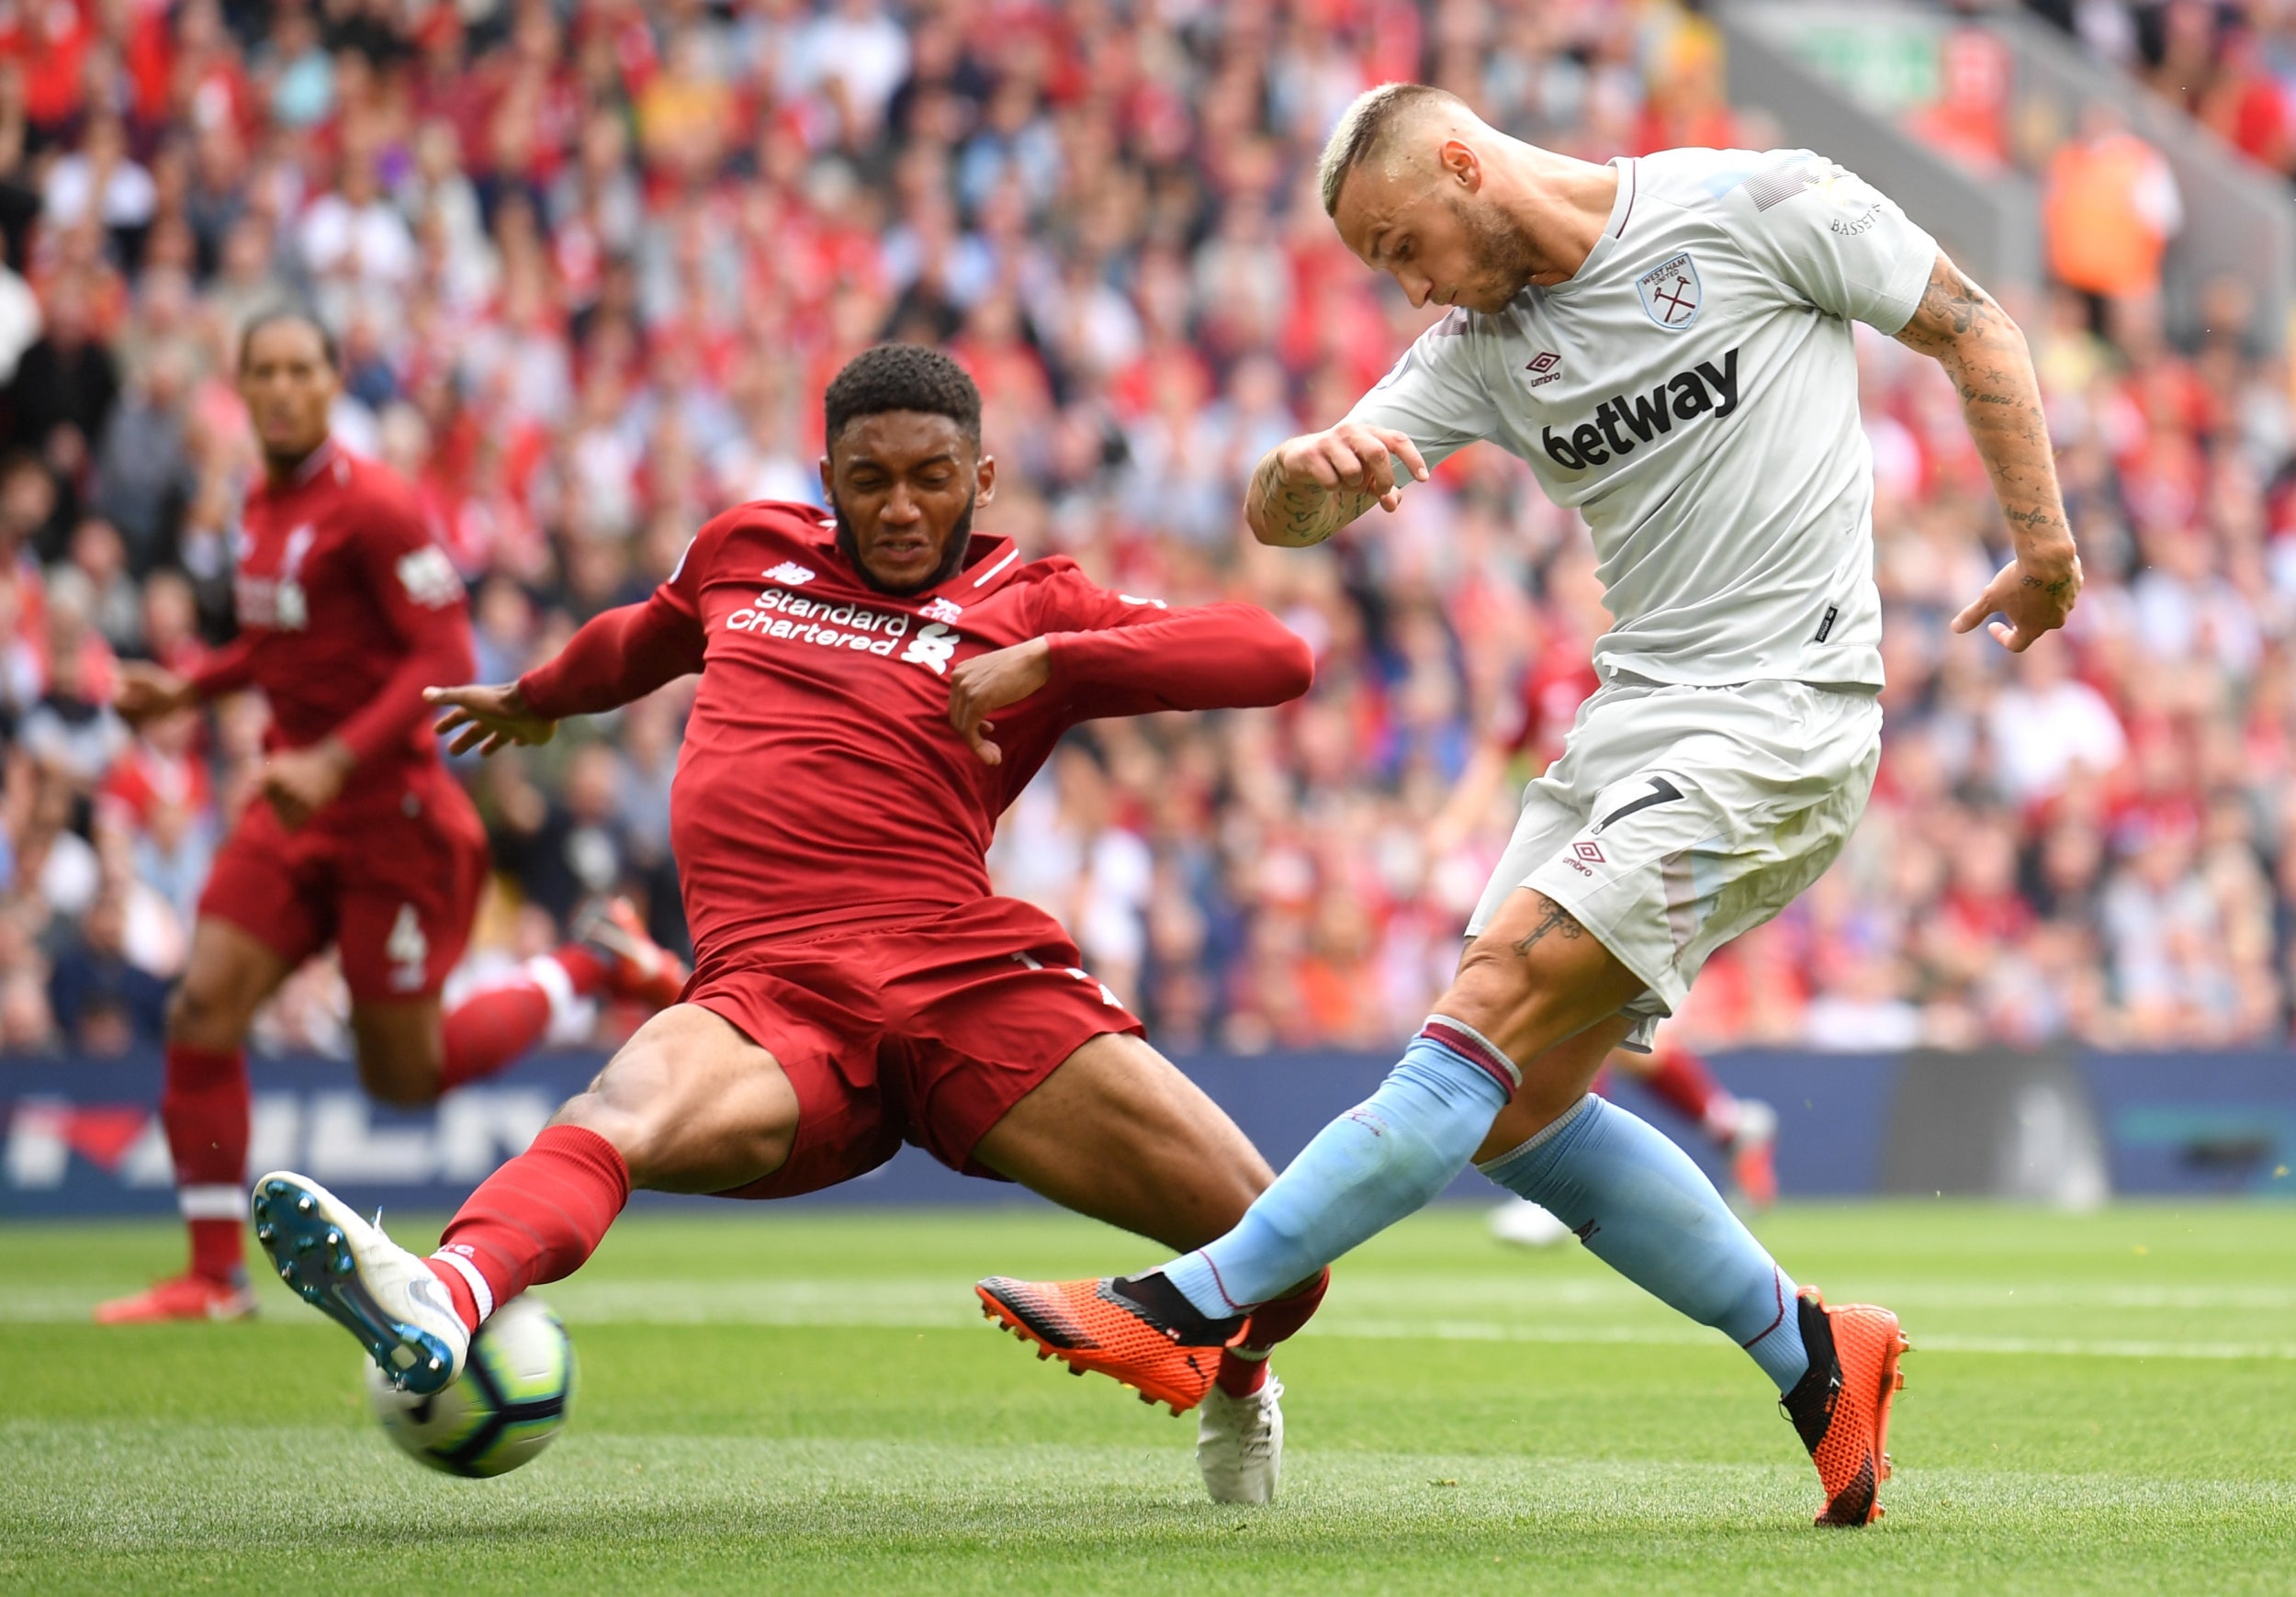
x,y
358,837
1531,727
877,685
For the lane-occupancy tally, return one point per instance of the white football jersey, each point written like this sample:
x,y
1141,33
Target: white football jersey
x,y
1692,390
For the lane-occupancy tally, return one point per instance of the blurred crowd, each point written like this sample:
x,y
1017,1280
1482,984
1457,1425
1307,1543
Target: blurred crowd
x,y
592,262
2230,63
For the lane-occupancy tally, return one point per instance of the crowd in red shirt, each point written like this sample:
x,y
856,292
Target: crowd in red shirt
x,y
592,264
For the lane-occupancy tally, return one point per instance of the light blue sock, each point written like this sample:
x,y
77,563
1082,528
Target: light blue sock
x,y
1379,1162
1645,1208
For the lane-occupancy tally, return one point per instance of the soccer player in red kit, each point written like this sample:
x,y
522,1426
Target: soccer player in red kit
x,y
877,685
347,611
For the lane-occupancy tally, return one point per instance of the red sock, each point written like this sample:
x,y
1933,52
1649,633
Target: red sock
x,y
489,1029
204,1106
1680,1080
1244,1367
536,1219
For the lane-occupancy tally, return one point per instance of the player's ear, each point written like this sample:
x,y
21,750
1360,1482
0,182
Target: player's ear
x,y
829,481
984,480
1460,164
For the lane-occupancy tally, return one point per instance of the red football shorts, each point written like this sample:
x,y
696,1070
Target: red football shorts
x,y
923,1031
390,874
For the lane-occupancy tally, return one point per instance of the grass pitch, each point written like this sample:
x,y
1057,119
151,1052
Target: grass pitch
x,y
808,1401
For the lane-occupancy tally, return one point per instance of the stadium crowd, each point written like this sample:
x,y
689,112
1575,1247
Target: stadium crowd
x,y
591,263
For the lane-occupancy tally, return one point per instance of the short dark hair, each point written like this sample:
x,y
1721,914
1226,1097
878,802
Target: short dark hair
x,y
272,315
901,376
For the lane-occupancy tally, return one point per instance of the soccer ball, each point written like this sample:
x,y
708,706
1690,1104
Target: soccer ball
x,y
504,1407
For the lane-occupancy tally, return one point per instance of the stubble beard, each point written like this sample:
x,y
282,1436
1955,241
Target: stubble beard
x,y
1504,246
951,557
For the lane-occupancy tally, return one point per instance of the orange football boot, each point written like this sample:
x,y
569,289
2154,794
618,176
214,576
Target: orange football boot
x,y
184,1297
640,968
1841,1407
1160,1346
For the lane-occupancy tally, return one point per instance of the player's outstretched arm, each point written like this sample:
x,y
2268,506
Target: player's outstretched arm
x,y
614,659
1959,325
1309,487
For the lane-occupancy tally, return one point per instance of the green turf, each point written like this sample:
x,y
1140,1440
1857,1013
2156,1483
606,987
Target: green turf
x,y
792,1401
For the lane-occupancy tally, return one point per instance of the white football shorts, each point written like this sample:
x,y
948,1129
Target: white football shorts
x,y
1681,816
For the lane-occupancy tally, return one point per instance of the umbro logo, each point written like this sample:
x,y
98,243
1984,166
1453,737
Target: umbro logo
x,y
1545,367
790,572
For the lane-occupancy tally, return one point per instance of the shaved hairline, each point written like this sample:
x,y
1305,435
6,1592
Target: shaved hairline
x,y
1368,126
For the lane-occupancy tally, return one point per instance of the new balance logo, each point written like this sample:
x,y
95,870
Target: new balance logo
x,y
931,648
946,610
1620,424
790,572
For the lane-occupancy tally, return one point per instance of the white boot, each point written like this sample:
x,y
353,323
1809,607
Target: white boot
x,y
1240,1443
352,1273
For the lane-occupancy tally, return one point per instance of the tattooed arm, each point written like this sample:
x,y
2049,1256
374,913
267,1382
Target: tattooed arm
x,y
1308,488
1958,325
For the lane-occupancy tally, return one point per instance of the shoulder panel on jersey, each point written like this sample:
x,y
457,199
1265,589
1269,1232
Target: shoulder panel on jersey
x,y
1697,177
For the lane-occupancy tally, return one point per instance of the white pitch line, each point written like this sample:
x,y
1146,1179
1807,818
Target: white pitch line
x,y
920,1304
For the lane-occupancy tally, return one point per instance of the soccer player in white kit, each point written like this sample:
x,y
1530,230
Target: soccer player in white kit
x,y
1666,341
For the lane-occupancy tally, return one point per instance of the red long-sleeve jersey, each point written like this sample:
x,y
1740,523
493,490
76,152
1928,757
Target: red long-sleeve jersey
x,y
821,784
347,611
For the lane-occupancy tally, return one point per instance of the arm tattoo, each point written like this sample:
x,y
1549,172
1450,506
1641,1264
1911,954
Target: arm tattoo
x,y
1557,919
1282,513
1951,307
1959,325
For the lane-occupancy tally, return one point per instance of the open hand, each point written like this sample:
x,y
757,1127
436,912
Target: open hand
x,y
986,683
488,718
147,693
2036,598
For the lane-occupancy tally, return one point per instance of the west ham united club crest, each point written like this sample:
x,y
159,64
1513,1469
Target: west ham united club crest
x,y
1671,293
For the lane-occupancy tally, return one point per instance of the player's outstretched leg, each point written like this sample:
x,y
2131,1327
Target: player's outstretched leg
x,y
688,1105
349,1271
1378,1163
